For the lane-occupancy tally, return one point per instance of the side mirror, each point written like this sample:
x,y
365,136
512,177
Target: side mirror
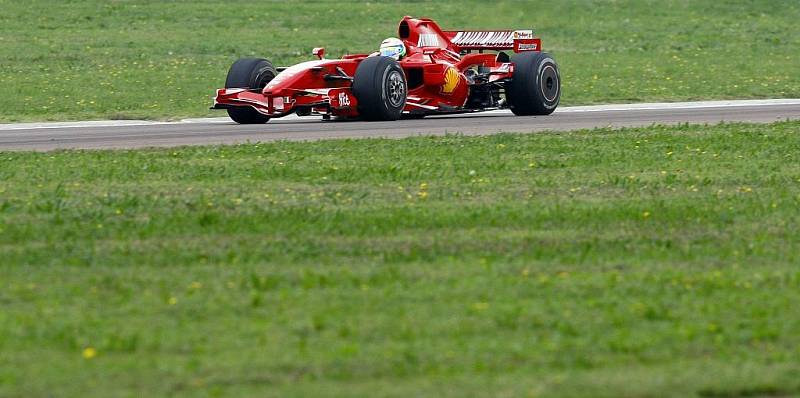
x,y
319,52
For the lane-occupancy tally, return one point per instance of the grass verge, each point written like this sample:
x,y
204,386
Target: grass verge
x,y
638,262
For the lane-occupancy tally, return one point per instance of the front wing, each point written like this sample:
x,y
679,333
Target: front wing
x,y
336,101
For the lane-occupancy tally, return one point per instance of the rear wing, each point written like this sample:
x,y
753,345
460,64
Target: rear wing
x,y
425,33
517,40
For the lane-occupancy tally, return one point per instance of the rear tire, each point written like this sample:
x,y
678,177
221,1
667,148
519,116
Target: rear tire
x,y
380,87
249,73
535,88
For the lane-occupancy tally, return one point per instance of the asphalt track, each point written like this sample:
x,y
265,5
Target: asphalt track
x,y
137,133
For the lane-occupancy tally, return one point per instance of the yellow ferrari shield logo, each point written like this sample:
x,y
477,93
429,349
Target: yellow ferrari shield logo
x,y
451,80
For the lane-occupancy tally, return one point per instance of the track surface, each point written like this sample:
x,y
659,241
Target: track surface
x,y
137,134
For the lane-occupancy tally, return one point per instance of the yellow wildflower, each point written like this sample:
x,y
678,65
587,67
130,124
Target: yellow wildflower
x,y
89,353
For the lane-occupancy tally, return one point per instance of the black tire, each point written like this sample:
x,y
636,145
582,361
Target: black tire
x,y
250,73
535,88
380,87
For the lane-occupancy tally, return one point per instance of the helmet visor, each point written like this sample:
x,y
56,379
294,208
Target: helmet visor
x,y
392,51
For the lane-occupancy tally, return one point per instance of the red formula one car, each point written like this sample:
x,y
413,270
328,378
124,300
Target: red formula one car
x,y
423,72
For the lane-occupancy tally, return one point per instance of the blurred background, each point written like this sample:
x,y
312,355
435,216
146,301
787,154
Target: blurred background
x,y
163,59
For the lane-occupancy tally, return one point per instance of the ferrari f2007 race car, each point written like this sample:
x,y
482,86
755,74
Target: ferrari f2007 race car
x,y
424,71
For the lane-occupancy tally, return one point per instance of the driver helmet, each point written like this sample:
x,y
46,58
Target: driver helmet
x,y
393,47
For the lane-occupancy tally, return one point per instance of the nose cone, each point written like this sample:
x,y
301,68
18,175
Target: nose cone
x,y
294,77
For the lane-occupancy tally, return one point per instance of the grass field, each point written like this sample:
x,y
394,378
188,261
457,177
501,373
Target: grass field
x,y
642,262
154,59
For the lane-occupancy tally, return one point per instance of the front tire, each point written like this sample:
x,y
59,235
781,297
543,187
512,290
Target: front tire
x,y
254,74
535,88
380,87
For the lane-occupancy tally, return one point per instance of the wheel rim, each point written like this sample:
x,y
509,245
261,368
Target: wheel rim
x,y
549,83
396,89
263,77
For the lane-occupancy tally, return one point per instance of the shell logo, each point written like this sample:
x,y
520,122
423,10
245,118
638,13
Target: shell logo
x,y
451,80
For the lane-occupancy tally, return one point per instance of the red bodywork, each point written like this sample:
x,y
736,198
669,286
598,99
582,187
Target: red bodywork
x,y
436,66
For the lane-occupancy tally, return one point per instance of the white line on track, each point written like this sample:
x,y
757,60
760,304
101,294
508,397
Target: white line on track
x,y
680,105
590,108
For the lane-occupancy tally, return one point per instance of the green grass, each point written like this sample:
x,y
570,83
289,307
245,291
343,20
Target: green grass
x,y
154,59
658,261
